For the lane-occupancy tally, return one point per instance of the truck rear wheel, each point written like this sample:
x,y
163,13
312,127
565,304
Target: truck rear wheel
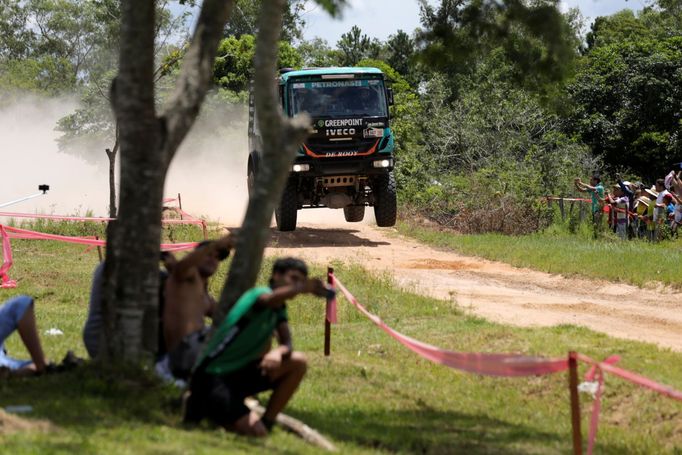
x,y
287,211
354,213
385,201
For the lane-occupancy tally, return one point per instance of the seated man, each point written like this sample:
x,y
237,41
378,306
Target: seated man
x,y
238,360
17,314
188,303
94,325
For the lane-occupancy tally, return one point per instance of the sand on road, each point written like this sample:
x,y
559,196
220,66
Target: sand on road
x,y
494,290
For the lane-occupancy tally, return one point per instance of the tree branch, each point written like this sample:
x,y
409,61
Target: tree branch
x,y
281,138
195,74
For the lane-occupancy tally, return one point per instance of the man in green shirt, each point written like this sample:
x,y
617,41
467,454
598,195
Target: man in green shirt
x,y
596,190
238,360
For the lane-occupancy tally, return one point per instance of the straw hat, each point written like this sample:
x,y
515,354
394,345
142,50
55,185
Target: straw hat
x,y
652,191
642,200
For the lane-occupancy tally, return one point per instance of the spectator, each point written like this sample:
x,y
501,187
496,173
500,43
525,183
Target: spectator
x,y
188,303
621,205
18,314
596,190
641,208
94,324
239,362
650,215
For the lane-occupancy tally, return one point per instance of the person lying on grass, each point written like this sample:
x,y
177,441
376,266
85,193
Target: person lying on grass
x,y
188,303
18,314
238,360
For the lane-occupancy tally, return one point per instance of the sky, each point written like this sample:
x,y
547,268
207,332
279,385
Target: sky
x,y
381,18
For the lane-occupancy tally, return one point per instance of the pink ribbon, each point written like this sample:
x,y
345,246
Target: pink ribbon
x,y
479,363
189,218
5,281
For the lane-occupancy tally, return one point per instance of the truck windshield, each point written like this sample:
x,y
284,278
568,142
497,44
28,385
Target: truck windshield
x,y
356,98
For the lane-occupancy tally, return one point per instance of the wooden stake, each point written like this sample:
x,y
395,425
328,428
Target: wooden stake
x,y
180,204
327,324
203,228
99,250
575,403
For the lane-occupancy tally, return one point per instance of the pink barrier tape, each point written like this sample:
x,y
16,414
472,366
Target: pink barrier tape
x,y
8,232
634,378
518,365
5,281
597,369
479,363
190,219
32,235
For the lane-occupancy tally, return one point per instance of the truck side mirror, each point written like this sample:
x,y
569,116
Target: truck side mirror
x,y
391,101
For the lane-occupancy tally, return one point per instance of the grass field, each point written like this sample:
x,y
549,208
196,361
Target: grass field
x,y
557,251
371,396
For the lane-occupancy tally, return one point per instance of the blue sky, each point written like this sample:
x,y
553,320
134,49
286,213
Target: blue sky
x,y
381,18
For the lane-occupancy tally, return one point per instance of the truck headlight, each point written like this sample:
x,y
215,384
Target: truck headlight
x,y
383,163
300,167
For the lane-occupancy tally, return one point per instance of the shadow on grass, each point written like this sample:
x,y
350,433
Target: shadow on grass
x,y
85,401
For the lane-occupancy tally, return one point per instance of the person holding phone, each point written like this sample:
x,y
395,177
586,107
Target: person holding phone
x,y
239,360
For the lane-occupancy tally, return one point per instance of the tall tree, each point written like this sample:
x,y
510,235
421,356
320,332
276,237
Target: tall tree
x,y
244,20
281,138
355,45
401,51
317,53
535,38
148,143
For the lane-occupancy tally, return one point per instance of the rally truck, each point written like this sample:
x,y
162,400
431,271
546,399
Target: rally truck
x,y
347,160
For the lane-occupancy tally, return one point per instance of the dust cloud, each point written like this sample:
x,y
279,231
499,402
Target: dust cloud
x,y
209,170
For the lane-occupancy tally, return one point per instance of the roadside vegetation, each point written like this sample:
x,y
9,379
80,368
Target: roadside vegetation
x,y
566,252
370,396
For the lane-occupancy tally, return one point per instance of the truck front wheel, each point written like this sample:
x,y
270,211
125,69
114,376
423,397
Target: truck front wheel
x,y
287,211
385,201
354,213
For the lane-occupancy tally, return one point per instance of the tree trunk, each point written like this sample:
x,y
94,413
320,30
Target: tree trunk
x,y
131,279
111,154
281,138
148,144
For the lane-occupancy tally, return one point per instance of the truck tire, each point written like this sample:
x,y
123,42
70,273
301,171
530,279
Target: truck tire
x,y
385,201
287,211
354,213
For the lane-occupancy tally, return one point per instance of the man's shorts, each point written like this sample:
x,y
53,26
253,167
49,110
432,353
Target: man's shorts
x,y
181,360
11,313
221,398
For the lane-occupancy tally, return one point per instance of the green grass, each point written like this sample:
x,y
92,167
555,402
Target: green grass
x,y
556,251
371,396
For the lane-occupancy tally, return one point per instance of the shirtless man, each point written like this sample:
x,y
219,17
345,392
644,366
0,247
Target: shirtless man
x,y
188,303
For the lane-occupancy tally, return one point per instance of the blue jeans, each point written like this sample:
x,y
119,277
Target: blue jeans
x,y
11,312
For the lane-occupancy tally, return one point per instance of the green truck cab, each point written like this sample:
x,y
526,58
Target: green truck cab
x,y
347,161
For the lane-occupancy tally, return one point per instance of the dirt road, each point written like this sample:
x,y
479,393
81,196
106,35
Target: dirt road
x,y
496,291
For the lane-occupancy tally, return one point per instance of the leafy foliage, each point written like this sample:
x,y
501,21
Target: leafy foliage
x,y
356,46
627,97
538,42
233,67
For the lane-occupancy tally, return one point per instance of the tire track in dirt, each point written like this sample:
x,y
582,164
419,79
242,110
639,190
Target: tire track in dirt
x,y
494,290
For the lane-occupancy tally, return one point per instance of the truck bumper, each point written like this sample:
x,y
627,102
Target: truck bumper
x,y
344,166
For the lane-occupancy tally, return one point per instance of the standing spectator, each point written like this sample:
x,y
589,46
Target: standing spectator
x,y
641,208
621,205
596,190
650,215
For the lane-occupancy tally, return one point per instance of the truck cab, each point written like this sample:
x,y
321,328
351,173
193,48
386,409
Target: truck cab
x,y
347,161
